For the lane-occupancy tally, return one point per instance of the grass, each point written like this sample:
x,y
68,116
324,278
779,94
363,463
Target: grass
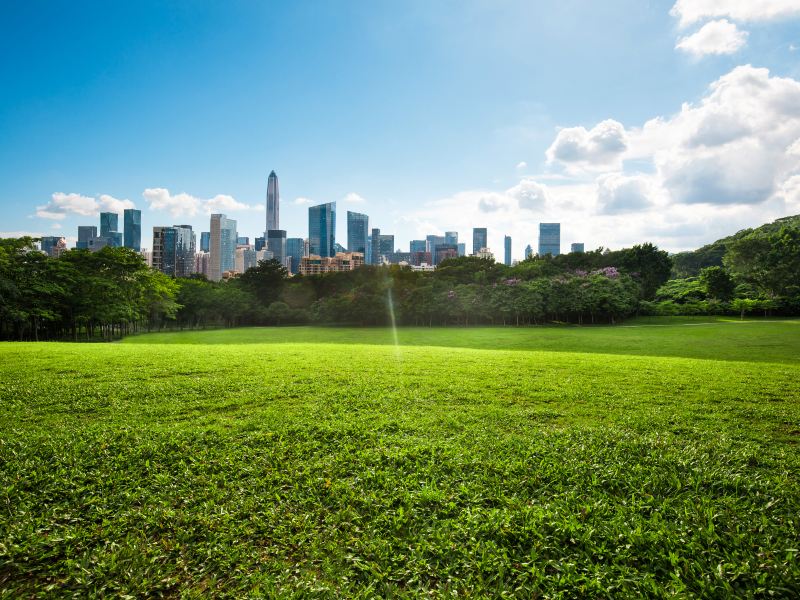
x,y
489,462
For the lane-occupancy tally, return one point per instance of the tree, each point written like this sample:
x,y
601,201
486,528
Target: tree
x,y
717,283
265,281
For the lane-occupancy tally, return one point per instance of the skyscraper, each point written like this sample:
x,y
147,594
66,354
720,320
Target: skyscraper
x,y
549,239
416,246
451,237
357,232
273,202
528,251
185,242
295,249
276,243
577,247
222,247
479,239
164,250
382,245
133,228
109,222
86,235
507,244
205,241
322,229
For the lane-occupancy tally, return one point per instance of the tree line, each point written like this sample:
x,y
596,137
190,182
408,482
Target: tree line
x,y
110,293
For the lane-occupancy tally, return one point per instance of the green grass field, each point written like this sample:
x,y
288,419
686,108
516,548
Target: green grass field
x,y
659,459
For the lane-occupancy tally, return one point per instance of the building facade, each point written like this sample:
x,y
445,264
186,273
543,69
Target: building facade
x,y
343,261
322,230
479,239
273,202
53,245
205,241
382,246
507,248
276,243
577,247
549,239
417,246
132,222
295,250
357,232
222,246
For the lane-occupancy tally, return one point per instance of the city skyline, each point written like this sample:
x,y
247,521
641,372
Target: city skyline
x,y
624,121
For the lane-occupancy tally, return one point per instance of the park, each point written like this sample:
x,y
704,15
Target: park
x,y
655,458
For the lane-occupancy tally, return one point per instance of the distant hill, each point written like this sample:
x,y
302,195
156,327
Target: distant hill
x,y
688,264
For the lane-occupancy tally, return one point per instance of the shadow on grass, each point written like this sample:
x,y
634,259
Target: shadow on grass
x,y
751,341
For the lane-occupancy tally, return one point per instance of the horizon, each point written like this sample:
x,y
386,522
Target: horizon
x,y
664,122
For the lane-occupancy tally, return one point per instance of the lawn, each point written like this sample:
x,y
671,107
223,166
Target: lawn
x,y
659,459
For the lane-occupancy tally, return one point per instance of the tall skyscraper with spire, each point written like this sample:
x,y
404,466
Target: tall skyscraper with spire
x,y
273,202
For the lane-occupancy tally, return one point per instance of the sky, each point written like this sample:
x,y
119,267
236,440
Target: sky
x,y
674,122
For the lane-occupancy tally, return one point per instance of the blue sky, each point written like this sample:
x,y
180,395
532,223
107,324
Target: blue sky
x,y
625,120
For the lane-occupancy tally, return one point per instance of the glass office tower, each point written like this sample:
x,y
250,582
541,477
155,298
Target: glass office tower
x,y
549,239
479,240
322,229
132,219
357,232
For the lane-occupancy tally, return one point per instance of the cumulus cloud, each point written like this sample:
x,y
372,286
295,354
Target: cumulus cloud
x,y
301,201
618,193
186,205
62,205
522,165
529,194
691,11
737,145
599,147
353,198
715,37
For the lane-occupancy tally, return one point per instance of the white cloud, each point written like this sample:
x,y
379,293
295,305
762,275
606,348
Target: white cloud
x,y
618,193
736,146
522,165
301,201
529,194
353,198
186,205
56,226
61,205
177,205
579,148
692,11
715,37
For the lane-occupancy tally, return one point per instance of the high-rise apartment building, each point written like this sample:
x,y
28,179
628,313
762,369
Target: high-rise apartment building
x,y
322,229
222,246
507,247
577,247
132,220
549,239
382,246
295,249
479,239
357,232
273,202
